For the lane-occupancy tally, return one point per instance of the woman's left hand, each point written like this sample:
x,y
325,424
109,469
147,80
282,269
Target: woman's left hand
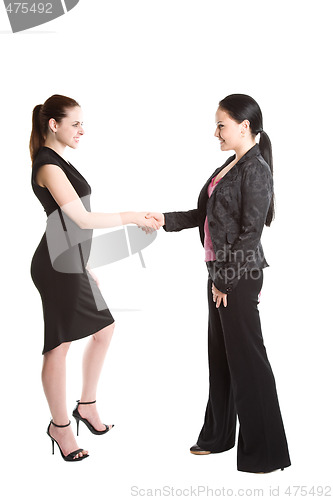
x,y
219,297
146,224
93,275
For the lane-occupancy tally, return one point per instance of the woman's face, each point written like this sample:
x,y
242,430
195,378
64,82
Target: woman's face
x,y
69,131
228,131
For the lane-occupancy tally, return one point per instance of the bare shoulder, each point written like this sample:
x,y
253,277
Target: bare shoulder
x,y
47,172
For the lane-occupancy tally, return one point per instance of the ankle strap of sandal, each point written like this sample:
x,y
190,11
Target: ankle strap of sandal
x,y
85,403
56,425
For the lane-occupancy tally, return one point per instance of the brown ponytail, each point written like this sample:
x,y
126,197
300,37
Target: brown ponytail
x,y
54,107
36,138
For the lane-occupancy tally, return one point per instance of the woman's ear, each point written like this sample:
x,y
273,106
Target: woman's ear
x,y
245,127
52,125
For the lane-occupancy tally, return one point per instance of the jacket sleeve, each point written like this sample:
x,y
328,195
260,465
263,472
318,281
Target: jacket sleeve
x,y
234,259
176,221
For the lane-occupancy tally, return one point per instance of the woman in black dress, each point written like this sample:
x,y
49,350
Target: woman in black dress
x,y
233,207
73,306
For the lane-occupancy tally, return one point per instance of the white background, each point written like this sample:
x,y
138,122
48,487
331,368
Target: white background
x,y
149,76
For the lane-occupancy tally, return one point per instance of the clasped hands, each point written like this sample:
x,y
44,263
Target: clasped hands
x,y
149,221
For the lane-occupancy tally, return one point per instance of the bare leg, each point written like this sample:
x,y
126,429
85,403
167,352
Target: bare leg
x,y
54,384
93,360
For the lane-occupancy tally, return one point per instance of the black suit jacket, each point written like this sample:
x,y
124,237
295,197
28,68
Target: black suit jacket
x,y
236,213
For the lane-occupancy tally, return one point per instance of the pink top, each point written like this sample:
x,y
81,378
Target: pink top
x,y
208,245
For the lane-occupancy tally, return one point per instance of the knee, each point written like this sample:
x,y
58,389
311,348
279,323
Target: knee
x,y
104,336
58,352
55,359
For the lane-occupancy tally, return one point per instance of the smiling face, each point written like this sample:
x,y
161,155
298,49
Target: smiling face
x,y
230,133
69,130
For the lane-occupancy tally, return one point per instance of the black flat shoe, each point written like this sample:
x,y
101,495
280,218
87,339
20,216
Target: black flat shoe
x,y
70,456
78,417
196,450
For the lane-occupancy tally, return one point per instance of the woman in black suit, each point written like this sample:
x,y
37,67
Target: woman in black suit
x,y
233,207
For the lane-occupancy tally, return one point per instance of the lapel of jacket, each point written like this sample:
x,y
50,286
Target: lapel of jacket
x,y
228,178
203,197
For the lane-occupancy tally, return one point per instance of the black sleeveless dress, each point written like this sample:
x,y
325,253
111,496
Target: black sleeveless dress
x,y
73,306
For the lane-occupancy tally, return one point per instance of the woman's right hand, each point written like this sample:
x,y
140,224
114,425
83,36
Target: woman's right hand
x,y
146,224
157,216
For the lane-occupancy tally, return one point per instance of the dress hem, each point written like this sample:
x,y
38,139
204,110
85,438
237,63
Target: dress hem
x,y
82,337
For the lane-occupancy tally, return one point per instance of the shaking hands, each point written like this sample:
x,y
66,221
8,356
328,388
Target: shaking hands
x,y
149,221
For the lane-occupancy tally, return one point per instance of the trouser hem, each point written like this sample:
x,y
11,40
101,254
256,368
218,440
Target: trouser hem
x,y
263,469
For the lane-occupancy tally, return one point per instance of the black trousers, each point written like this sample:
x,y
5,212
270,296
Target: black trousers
x,y
241,383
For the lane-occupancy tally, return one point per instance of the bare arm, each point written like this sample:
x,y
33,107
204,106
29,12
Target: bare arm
x,y
55,180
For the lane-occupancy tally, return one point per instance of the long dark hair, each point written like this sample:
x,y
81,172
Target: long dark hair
x,y
54,107
242,107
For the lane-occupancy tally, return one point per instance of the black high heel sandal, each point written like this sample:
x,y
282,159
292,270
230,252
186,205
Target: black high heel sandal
x,y
70,456
78,417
